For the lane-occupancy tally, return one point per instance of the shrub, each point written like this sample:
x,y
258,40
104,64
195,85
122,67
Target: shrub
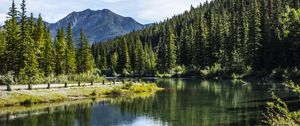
x,y
127,85
125,72
116,91
8,78
179,70
213,71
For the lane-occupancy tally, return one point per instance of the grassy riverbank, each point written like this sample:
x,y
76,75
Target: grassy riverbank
x,y
29,97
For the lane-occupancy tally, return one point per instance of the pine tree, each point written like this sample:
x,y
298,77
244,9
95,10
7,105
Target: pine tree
x,y
114,61
185,47
200,42
150,58
140,57
103,60
3,45
13,55
255,36
47,61
32,26
85,61
123,61
171,52
161,56
293,37
242,37
39,38
60,50
70,56
30,71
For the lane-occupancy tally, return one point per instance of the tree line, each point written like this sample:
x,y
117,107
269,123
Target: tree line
x,y
27,49
228,36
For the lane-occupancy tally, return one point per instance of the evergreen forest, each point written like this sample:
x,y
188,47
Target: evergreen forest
x,y
221,38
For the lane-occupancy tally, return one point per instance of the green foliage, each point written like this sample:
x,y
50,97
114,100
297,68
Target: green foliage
x,y
123,61
84,57
47,61
13,56
278,112
70,52
213,71
295,87
3,45
179,70
8,78
139,58
60,52
242,36
138,88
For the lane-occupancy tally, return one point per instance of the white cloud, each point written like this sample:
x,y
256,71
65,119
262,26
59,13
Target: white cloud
x,y
158,10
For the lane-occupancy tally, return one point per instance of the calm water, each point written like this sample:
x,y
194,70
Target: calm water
x,y
186,102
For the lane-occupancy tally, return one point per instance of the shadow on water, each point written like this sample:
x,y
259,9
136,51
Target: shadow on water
x,y
186,102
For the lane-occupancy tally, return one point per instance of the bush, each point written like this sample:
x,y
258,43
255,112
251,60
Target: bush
x,y
116,91
179,70
8,78
213,71
127,85
163,75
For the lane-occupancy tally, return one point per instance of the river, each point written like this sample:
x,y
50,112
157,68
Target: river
x,y
185,102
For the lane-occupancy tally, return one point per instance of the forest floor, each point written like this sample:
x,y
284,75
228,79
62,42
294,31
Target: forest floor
x,y
20,95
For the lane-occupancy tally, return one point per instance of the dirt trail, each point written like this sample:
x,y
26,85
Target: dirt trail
x,y
44,86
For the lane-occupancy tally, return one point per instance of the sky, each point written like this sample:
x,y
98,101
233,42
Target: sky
x,y
144,11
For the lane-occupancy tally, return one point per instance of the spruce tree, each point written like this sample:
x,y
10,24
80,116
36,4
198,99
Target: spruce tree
x,y
3,45
140,57
39,38
161,56
84,57
103,59
13,55
150,58
70,56
200,42
114,61
29,72
123,61
60,52
255,37
47,61
171,52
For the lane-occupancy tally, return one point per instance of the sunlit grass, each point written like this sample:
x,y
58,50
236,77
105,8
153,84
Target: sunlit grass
x,y
25,97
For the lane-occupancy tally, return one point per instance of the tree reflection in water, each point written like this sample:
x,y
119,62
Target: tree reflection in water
x,y
189,102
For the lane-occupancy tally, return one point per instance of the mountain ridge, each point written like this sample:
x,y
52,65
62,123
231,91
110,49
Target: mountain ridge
x,y
99,25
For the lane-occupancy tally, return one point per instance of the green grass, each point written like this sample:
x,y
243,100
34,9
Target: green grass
x,y
25,97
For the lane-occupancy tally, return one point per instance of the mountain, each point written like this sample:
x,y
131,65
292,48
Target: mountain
x,y
99,25
34,19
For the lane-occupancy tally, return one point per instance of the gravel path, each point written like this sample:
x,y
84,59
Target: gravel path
x,y
44,86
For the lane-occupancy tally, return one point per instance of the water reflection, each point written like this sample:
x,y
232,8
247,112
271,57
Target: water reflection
x,y
186,102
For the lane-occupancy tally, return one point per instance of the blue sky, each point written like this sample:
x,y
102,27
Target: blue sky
x,y
144,11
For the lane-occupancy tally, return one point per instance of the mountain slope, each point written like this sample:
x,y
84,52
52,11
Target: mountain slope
x,y
99,25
